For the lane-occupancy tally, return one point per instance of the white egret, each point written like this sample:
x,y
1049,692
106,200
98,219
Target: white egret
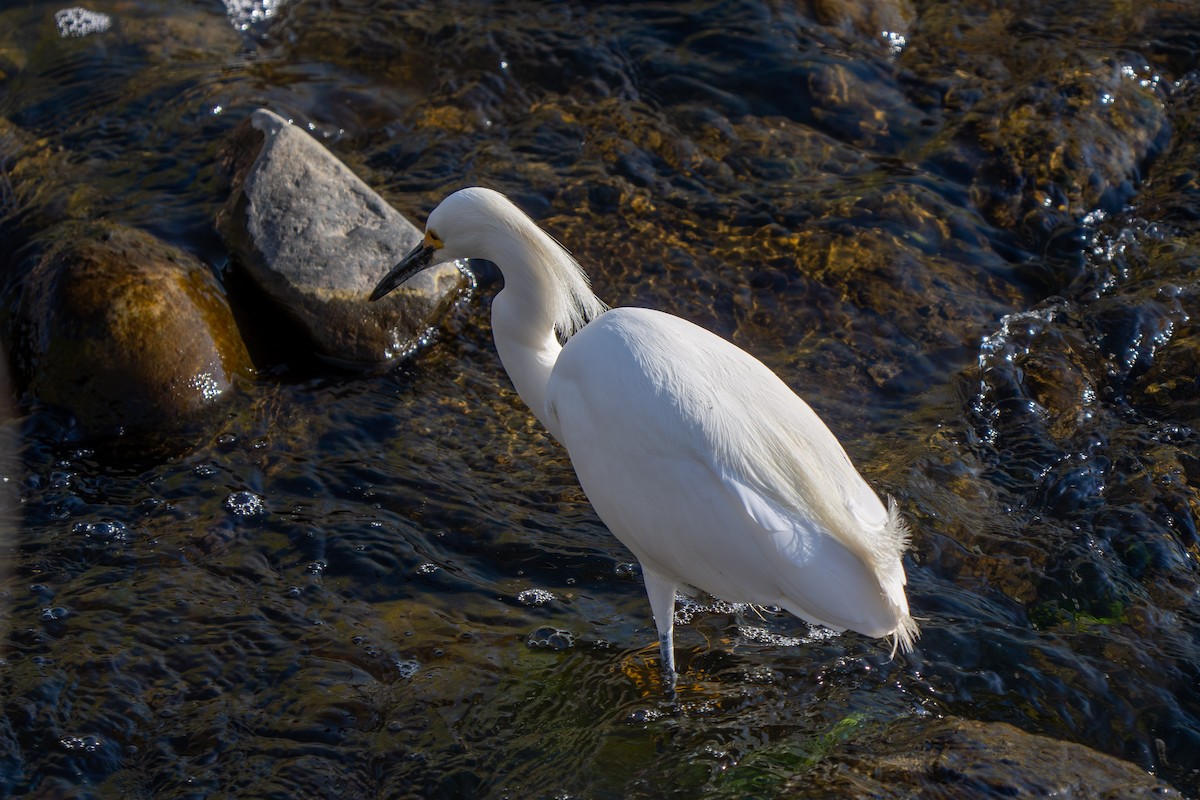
x,y
694,454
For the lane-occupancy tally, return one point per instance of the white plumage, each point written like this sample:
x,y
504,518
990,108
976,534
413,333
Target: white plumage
x,y
696,456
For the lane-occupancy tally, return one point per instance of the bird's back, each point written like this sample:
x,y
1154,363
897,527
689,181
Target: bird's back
x,y
715,474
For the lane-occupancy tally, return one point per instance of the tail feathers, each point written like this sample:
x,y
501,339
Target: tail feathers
x,y
896,535
905,635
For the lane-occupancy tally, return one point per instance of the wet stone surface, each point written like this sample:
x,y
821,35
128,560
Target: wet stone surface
x,y
316,240
126,332
948,758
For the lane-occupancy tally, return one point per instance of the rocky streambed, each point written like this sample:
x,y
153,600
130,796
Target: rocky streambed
x,y
262,539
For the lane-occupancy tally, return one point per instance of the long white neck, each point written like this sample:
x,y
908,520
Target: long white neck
x,y
545,294
528,347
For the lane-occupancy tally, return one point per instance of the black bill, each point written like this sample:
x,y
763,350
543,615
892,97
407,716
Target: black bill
x,y
411,264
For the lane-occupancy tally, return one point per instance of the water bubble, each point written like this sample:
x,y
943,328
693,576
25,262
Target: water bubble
x,y
686,608
149,505
548,638
758,675
427,569
700,708
535,597
643,715
763,636
406,668
245,504
105,530
628,571
896,42
245,13
73,22
208,386
89,744
204,470
55,613
368,647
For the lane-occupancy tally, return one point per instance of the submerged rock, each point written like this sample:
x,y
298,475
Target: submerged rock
x,y
316,239
126,332
867,18
954,758
1052,135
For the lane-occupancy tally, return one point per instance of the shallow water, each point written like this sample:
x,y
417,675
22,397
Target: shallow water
x,y
392,585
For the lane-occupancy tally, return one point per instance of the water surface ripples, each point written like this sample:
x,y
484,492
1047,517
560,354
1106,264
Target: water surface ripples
x,y
973,253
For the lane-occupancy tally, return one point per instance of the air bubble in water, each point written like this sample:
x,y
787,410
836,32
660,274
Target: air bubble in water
x,y
535,597
105,530
643,715
89,744
686,608
764,636
548,638
245,504
407,668
73,22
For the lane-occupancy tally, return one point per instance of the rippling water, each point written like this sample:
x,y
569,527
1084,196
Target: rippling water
x,y
393,586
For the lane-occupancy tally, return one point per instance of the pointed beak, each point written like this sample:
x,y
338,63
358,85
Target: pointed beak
x,y
420,258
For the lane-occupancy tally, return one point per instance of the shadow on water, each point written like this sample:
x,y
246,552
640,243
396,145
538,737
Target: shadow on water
x,y
972,248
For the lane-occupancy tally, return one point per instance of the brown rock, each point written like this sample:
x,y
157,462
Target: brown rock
x,y
125,331
947,759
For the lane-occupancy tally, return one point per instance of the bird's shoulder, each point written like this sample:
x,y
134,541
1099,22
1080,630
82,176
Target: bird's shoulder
x,y
642,370
650,386
739,415
641,344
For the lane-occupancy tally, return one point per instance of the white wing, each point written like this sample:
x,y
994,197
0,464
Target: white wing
x,y
716,475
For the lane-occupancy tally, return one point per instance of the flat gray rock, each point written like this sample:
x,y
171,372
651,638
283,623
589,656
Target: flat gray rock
x,y
317,239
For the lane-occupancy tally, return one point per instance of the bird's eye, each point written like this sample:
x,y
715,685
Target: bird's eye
x,y
432,240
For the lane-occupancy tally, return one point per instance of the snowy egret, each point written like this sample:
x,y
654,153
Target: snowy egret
x,y
694,454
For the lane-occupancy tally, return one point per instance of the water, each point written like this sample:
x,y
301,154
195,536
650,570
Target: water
x,y
392,585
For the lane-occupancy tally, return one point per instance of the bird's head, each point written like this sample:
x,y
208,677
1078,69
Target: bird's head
x,y
462,226
482,223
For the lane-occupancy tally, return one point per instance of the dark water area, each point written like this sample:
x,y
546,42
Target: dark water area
x,y
967,233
